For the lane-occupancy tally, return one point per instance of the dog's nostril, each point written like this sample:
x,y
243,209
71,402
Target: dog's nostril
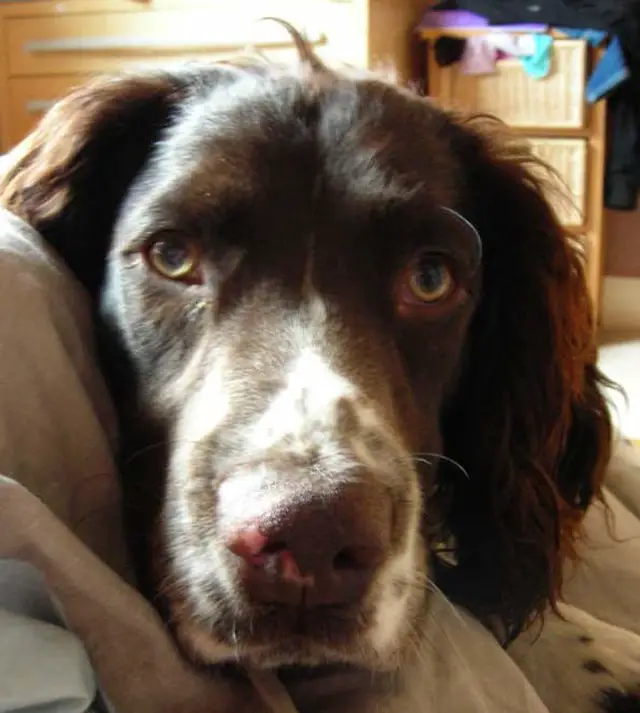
x,y
273,548
357,558
347,559
312,552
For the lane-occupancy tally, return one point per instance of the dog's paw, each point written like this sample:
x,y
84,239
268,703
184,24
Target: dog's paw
x,y
612,679
607,679
612,701
580,664
611,660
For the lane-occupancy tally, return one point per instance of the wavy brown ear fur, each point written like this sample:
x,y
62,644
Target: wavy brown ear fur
x,y
67,178
528,421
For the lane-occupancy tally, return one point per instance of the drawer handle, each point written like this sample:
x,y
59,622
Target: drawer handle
x,y
39,106
155,44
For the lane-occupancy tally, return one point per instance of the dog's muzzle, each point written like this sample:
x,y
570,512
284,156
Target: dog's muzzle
x,y
309,551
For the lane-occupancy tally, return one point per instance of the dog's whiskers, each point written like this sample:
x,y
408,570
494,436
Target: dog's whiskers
x,y
425,651
164,443
234,639
423,458
433,587
451,639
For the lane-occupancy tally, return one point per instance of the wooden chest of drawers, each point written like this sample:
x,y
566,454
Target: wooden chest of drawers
x,y
51,46
553,116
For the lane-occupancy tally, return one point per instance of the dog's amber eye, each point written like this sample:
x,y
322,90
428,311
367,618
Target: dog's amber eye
x,y
427,287
175,258
430,279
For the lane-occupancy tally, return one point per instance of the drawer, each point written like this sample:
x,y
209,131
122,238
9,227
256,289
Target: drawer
x,y
557,101
28,99
569,158
86,43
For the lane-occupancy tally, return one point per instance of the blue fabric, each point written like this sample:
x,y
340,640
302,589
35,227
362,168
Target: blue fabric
x,y
538,65
611,71
594,37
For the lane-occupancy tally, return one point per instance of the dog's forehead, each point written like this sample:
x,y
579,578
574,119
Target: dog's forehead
x,y
362,140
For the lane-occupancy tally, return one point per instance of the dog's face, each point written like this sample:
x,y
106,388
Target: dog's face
x,y
283,259
295,291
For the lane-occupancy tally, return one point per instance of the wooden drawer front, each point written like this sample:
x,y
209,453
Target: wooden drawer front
x,y
569,158
556,101
28,99
109,42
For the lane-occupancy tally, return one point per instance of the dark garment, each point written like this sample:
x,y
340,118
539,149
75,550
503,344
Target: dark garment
x,y
448,50
587,14
623,156
620,18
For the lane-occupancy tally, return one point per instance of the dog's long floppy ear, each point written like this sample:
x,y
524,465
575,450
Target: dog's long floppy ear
x,y
528,421
67,178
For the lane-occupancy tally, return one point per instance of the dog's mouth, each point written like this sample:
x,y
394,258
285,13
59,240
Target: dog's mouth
x,y
275,635
216,625
316,582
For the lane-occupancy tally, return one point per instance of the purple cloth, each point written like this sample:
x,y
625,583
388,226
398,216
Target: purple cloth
x,y
463,19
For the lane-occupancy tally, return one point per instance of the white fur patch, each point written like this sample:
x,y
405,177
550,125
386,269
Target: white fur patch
x,y
237,501
307,401
209,406
391,611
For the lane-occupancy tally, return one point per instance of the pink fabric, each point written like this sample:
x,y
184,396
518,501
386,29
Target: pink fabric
x,y
479,56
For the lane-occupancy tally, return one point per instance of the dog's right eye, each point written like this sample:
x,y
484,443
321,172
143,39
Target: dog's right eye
x,y
175,257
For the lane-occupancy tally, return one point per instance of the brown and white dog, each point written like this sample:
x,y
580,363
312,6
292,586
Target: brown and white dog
x,y
345,331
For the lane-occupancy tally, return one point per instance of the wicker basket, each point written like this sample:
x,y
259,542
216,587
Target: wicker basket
x,y
557,101
569,158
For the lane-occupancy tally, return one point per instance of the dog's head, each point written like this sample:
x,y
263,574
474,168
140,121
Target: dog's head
x,y
363,332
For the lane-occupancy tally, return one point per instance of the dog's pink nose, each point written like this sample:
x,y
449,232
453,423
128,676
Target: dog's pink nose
x,y
313,553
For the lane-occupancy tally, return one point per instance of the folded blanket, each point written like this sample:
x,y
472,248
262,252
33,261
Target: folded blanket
x,y
57,437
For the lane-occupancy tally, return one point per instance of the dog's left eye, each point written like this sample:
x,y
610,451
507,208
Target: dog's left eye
x,y
175,258
430,279
427,285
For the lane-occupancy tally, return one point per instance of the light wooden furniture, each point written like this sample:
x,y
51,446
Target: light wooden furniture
x,y
552,114
49,47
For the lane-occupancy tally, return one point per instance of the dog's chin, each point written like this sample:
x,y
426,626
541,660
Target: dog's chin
x,y
264,642
214,623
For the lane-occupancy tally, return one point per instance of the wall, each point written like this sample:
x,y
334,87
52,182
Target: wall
x,y
621,295
622,256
